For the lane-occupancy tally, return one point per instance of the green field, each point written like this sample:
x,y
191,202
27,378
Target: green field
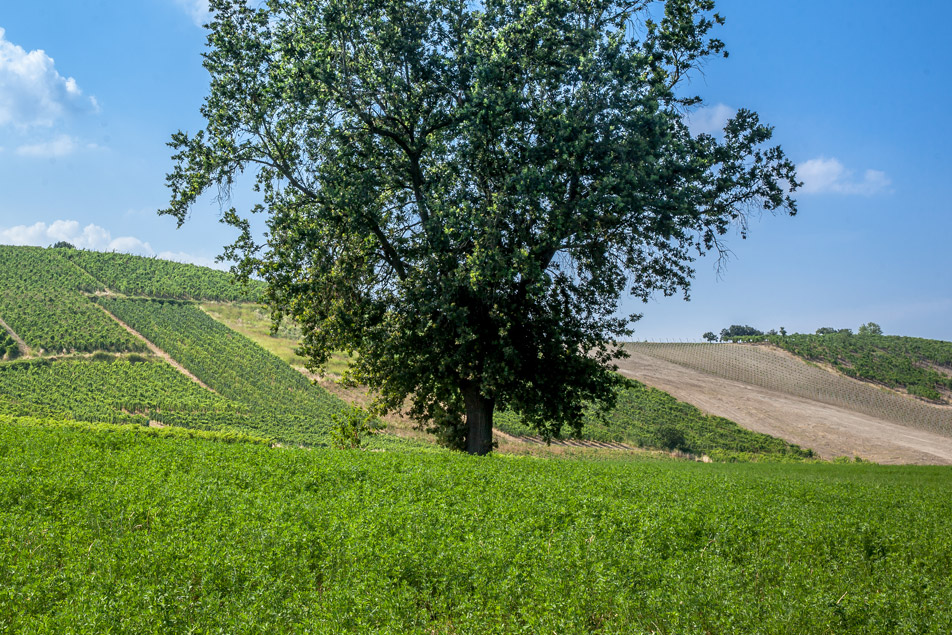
x,y
284,404
41,299
114,390
118,531
152,277
108,525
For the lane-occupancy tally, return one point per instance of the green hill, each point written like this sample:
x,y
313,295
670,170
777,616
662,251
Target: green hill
x,y
66,304
110,523
920,367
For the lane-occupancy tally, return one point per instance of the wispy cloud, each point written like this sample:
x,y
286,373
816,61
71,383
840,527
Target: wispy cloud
x,y
92,237
196,9
32,92
710,119
823,175
61,146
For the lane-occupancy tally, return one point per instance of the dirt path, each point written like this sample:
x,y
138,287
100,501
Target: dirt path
x,y
24,349
157,351
827,430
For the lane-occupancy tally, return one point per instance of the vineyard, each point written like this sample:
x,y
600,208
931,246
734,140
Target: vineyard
x,y
649,418
282,402
9,349
921,367
759,366
114,390
152,277
41,299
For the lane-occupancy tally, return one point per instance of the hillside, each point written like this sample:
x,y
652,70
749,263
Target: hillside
x,y
916,366
85,352
771,391
125,339
143,492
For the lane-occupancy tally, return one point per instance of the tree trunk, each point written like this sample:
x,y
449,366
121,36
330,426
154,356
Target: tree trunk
x,y
479,421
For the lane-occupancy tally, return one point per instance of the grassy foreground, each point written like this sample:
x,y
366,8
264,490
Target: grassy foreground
x,y
120,531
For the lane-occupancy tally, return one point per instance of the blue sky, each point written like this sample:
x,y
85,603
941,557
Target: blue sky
x,y
859,94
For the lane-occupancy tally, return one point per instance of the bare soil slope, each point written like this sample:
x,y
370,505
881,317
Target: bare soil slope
x,y
829,430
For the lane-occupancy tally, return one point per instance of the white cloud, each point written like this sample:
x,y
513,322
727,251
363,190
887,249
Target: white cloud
x,y
61,146
179,256
89,237
32,92
95,238
824,175
710,119
196,9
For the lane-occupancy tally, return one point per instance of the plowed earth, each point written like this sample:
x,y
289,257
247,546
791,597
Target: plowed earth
x,y
828,430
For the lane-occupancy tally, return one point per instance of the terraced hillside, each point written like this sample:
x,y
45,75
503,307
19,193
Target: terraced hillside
x,y
916,366
771,391
161,360
42,300
70,358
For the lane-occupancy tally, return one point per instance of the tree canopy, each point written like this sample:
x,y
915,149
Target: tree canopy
x,y
461,193
870,328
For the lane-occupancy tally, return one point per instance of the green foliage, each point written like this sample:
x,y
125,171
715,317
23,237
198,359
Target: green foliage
x,y
735,332
126,531
119,429
141,276
41,299
870,328
281,401
461,192
62,244
921,367
710,336
351,426
649,418
9,349
112,390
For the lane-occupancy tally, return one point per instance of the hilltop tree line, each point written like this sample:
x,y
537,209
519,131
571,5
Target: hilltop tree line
x,y
736,332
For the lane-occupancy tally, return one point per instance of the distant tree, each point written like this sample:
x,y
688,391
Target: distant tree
x,y
737,330
62,244
870,328
772,332
844,331
783,332
461,193
710,337
825,330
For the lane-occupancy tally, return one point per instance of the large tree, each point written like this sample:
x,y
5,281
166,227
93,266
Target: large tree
x,y
461,193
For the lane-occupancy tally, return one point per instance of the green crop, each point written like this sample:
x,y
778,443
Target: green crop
x,y
111,390
41,299
152,277
282,402
123,531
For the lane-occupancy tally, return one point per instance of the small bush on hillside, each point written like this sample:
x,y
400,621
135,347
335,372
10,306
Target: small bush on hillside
x,y
351,426
672,438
